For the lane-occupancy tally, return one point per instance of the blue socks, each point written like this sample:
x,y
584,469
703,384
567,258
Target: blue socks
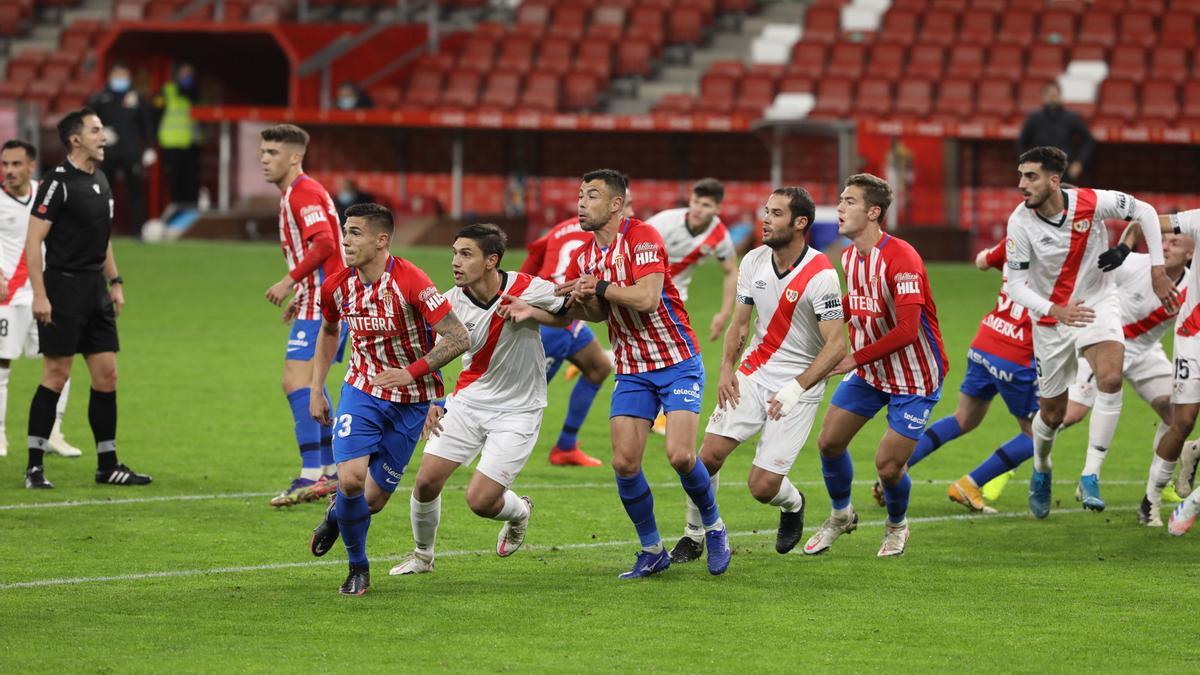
x,y
1006,458
639,504
896,498
698,485
936,435
326,438
308,432
354,517
839,474
577,410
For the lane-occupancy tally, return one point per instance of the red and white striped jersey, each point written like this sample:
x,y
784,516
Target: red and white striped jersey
x,y
549,255
1062,256
14,224
789,305
1007,330
686,250
391,325
641,341
1142,314
505,367
1188,223
890,276
304,210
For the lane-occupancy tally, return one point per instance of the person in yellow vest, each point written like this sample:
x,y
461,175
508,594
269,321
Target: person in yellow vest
x,y
178,138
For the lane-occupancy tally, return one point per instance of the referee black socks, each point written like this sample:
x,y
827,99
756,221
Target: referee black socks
x,y
102,415
41,421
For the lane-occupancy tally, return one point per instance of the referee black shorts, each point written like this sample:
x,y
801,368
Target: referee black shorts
x,y
82,317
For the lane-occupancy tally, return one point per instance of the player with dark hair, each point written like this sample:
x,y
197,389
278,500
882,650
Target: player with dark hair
x,y
393,311
496,409
311,237
77,296
898,362
622,278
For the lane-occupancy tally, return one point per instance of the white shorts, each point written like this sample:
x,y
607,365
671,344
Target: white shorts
x,y
502,439
1056,348
18,332
781,440
1187,370
1148,370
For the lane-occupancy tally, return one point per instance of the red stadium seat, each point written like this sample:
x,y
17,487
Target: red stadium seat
x,y
568,22
938,28
60,66
1170,63
424,88
1016,28
887,61
756,93
956,99
1189,114
996,98
729,67
834,99
808,59
914,98
846,61
648,24
685,26
581,91
1127,63
1098,28
1057,27
13,90
1118,100
613,16
796,84
477,54
634,57
1046,61
516,54
555,56
874,98
899,26
596,57
1088,53
533,14
1029,95
501,91
1160,101
542,92
978,27
991,5
966,60
822,24
1179,29
1137,29
717,94
928,61
462,89
678,104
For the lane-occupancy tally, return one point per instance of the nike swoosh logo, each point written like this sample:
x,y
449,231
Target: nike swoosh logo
x,y
916,427
389,481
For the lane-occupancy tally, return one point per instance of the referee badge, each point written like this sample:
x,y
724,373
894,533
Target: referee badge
x,y
791,295
96,188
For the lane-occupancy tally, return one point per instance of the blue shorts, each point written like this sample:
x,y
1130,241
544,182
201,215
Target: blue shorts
x,y
387,432
677,387
907,413
302,341
988,375
563,343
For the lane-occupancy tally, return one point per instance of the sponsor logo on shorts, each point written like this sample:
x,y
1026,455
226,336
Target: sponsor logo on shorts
x,y
916,423
996,373
689,395
392,473
299,342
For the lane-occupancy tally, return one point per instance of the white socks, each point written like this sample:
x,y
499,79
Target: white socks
x,y
789,499
311,474
1103,425
4,373
1158,435
1043,443
695,526
61,408
425,517
1160,475
514,509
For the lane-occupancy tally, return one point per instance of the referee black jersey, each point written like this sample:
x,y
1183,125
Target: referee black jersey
x,y
79,207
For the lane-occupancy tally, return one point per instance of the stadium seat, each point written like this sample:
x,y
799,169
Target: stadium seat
x,y
914,98
874,97
729,67
966,60
1046,62
595,57
834,98
533,14
1179,29
685,26
462,89
796,84
679,104
609,15
1088,53
569,21
991,5
1127,63
756,93
634,58
424,88
808,60
996,98
938,28
555,56
717,94
1057,27
899,26
1169,62
647,23
387,96
1029,96
516,54
41,94
1189,113
1016,28
978,27
13,90
1117,102
581,91
927,61
1137,29
956,100
822,24
542,92
1098,28
1160,102
60,66
477,54
501,91
887,61
846,61
707,8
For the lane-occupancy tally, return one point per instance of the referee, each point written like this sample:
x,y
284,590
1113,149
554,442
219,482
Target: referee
x,y
77,299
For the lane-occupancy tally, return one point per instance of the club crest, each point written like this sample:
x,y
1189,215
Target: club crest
x,y
791,295
1082,225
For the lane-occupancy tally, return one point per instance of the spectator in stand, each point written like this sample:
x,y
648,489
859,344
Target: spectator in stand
x,y
178,136
129,148
351,97
1057,127
348,195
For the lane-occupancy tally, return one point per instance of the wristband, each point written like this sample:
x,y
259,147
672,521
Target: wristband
x,y
418,368
116,280
601,288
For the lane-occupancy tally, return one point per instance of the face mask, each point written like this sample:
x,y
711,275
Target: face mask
x,y
118,84
347,102
345,196
186,81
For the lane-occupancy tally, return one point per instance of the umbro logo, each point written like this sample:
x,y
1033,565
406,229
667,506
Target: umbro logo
x,y
760,284
470,325
1047,241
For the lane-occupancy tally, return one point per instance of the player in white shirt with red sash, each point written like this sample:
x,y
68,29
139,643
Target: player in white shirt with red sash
x,y
1055,240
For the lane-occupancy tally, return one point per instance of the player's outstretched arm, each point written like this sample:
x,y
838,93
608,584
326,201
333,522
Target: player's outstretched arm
x,y
34,238
518,310
453,340
831,354
327,341
729,268
643,296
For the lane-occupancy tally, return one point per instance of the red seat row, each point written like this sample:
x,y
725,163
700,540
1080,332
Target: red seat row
x,y
541,91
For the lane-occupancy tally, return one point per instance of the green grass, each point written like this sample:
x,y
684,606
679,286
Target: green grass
x,y
201,409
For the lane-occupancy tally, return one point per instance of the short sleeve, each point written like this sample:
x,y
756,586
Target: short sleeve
x,y
51,197
996,255
904,279
1187,222
420,292
540,294
329,305
725,249
311,214
1111,204
825,294
535,253
743,283
648,251
1016,246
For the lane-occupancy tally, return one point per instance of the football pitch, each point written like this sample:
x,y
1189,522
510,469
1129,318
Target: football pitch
x,y
196,573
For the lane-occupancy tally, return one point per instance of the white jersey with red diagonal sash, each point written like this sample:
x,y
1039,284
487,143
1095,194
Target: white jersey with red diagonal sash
x,y
641,341
391,326
1143,316
891,275
789,306
1062,255
505,367
1007,330
1188,325
686,250
305,209
14,224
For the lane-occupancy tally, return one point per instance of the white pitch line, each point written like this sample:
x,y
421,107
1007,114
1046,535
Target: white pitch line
x,y
547,486
217,571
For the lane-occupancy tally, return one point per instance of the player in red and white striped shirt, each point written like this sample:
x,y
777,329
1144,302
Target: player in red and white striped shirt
x,y
622,278
310,237
393,311
898,362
